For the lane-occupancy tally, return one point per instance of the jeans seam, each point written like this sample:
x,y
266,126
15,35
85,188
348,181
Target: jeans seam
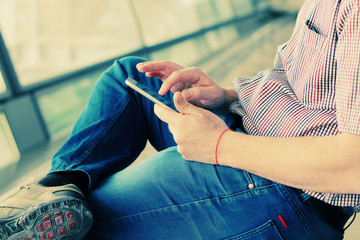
x,y
188,203
90,147
249,178
297,210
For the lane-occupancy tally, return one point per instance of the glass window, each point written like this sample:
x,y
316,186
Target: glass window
x,y
261,4
9,153
163,20
185,53
220,38
243,7
225,9
2,83
46,38
61,106
214,11
287,5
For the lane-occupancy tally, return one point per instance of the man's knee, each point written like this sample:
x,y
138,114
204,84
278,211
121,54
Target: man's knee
x,y
119,71
130,61
127,66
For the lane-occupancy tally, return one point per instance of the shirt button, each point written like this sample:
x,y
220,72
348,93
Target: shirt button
x,y
251,186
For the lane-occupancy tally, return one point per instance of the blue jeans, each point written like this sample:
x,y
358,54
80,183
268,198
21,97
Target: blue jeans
x,y
165,196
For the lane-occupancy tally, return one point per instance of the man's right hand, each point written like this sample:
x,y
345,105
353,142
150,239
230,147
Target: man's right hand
x,y
194,85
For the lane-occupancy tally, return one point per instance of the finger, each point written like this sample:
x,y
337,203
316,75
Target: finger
x,y
184,106
165,115
187,75
158,66
196,93
178,87
159,75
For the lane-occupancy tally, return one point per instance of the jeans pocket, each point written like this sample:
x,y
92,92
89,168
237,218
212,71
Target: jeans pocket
x,y
267,231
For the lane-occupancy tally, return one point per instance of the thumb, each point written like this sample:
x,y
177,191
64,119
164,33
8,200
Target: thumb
x,y
182,105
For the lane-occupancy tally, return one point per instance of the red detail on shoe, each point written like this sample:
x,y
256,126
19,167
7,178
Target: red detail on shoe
x,y
57,213
61,230
28,237
42,236
32,215
283,221
46,217
47,225
59,220
39,228
69,215
72,225
50,235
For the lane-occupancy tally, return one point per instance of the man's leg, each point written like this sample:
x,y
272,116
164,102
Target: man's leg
x,y
166,197
114,127
109,136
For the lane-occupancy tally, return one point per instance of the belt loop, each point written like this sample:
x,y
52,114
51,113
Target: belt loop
x,y
303,195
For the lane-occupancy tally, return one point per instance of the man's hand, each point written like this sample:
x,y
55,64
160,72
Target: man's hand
x,y
195,130
194,85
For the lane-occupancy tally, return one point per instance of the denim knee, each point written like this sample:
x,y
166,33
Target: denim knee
x,y
130,62
119,71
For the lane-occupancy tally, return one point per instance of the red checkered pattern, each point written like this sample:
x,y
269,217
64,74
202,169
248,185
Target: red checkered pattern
x,y
314,87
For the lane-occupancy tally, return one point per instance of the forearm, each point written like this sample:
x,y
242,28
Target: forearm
x,y
322,164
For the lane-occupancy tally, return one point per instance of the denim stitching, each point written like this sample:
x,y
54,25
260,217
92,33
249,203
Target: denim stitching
x,y
88,149
297,210
189,203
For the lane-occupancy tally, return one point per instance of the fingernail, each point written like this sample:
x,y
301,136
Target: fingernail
x,y
181,99
186,95
140,64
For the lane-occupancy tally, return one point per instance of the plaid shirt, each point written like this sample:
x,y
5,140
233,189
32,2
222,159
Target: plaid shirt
x,y
314,87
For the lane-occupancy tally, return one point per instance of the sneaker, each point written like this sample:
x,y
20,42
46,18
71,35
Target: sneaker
x,y
40,212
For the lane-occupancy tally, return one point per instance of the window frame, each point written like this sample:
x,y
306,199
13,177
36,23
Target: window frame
x,y
18,153
14,89
7,70
7,92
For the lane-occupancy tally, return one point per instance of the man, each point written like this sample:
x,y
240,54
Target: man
x,y
299,129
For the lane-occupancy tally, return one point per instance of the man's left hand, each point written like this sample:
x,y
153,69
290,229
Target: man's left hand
x,y
195,129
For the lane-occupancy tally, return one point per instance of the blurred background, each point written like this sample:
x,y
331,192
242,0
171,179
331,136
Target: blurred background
x,y
52,52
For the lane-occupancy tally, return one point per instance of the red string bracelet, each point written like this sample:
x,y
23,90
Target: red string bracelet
x,y
217,145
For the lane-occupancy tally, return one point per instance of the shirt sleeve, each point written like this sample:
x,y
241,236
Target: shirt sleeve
x,y
347,96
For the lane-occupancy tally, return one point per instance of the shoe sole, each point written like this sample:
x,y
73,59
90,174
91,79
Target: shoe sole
x,y
64,218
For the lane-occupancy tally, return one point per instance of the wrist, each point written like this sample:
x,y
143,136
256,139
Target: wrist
x,y
233,150
217,145
229,96
226,147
